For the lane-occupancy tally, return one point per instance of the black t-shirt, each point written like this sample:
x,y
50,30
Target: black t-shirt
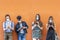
x,y
51,28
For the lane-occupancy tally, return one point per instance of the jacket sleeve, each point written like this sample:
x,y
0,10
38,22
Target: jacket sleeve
x,y
25,24
16,28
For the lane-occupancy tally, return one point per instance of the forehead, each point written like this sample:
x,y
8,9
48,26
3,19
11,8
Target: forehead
x,y
51,18
7,16
37,15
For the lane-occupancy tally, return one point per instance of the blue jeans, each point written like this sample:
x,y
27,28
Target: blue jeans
x,y
21,36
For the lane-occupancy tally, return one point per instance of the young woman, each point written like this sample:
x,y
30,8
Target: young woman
x,y
51,29
8,27
37,28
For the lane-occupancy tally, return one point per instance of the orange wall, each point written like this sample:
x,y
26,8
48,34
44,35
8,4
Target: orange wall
x,y
28,9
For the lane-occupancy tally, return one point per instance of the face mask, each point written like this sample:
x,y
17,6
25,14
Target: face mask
x,y
19,21
8,19
37,18
50,20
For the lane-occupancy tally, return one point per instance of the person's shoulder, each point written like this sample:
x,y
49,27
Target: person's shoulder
x,y
33,22
4,22
23,22
12,21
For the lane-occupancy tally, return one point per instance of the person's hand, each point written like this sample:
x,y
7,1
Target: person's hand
x,y
49,25
19,28
52,25
41,28
35,24
8,27
24,27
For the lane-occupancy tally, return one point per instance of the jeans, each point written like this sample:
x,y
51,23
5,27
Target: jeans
x,y
50,35
21,36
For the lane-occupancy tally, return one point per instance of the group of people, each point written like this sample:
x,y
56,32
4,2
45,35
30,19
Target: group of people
x,y
21,28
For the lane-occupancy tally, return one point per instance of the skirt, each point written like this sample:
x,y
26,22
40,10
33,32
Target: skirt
x,y
36,34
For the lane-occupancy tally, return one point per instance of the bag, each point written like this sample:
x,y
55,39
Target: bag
x,y
56,36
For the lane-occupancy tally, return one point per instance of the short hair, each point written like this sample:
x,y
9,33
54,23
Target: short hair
x,y
51,17
19,17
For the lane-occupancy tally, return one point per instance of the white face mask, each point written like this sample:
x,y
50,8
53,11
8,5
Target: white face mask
x,y
8,19
19,21
37,18
50,20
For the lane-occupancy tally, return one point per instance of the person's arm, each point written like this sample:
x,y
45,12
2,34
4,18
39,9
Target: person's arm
x,y
47,26
17,29
33,25
26,26
55,27
12,26
40,27
4,28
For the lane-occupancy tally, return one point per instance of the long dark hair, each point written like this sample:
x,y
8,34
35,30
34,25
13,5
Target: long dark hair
x,y
38,20
36,16
51,17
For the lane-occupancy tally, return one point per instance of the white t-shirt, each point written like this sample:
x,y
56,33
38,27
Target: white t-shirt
x,y
21,29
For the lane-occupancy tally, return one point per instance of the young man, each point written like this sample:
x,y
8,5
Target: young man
x,y
21,29
8,27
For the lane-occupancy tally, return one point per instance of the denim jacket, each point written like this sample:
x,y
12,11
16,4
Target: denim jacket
x,y
6,23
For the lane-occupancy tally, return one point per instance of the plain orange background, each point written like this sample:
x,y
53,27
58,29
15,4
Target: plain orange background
x,y
28,9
